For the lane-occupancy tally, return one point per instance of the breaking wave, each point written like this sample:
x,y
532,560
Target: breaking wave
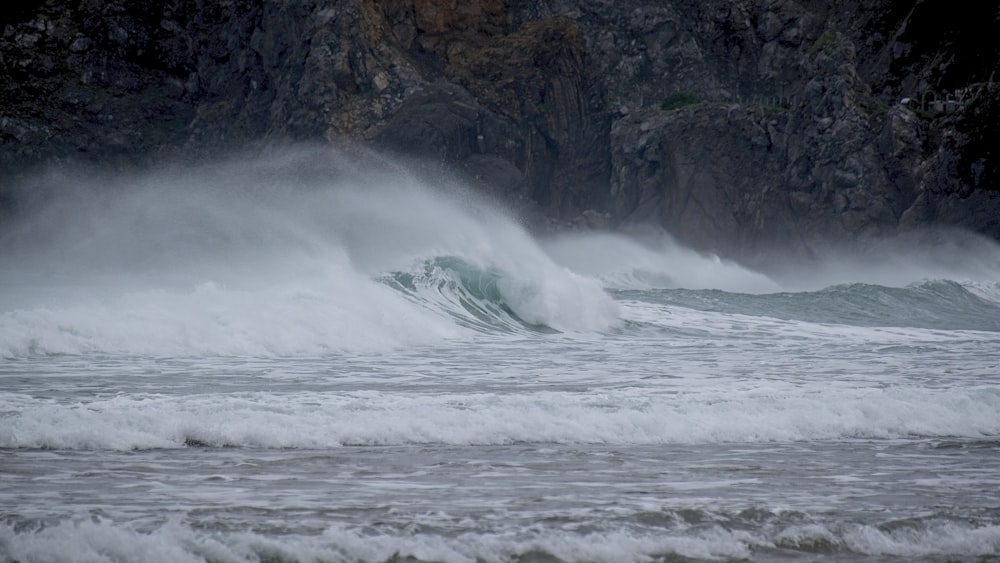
x,y
690,534
476,297
487,298
271,261
625,417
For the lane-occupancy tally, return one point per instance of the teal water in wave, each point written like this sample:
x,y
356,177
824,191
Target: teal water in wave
x,y
242,369
476,297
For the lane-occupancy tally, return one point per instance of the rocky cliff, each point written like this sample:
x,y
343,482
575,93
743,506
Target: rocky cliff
x,y
738,125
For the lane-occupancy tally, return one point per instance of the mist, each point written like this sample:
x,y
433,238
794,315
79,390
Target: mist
x,y
928,253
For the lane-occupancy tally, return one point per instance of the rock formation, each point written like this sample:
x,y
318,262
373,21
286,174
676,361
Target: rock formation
x,y
737,125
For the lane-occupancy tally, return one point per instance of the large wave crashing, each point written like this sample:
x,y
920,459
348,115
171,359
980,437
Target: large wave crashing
x,y
290,255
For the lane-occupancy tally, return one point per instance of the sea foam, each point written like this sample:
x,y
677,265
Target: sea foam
x,y
625,417
104,540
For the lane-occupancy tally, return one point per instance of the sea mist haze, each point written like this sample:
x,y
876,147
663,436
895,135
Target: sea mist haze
x,y
321,357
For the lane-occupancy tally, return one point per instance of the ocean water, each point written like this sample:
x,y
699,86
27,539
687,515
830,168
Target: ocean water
x,y
273,361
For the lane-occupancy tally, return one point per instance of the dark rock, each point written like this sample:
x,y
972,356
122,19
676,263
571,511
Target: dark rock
x,y
442,123
790,130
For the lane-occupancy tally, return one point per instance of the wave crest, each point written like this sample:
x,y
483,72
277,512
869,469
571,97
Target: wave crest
x,y
487,298
624,417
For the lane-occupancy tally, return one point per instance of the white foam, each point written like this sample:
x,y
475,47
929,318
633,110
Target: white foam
x,y
990,291
305,317
624,416
87,541
561,300
104,541
945,538
932,538
101,540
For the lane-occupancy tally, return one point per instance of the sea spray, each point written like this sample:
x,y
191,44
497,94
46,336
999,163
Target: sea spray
x,y
267,260
652,262
925,253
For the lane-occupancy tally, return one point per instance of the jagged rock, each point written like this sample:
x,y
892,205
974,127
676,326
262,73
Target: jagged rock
x,y
782,124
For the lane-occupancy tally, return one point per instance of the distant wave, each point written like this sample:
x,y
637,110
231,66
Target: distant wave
x,y
932,304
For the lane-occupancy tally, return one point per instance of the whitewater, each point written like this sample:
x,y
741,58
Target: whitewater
x,y
317,356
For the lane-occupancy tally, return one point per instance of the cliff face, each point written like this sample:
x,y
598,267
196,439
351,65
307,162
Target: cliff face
x,y
737,125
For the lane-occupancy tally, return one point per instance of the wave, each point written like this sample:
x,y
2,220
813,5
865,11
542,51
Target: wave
x,y
338,310
213,320
930,304
690,534
476,297
488,298
252,259
627,417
